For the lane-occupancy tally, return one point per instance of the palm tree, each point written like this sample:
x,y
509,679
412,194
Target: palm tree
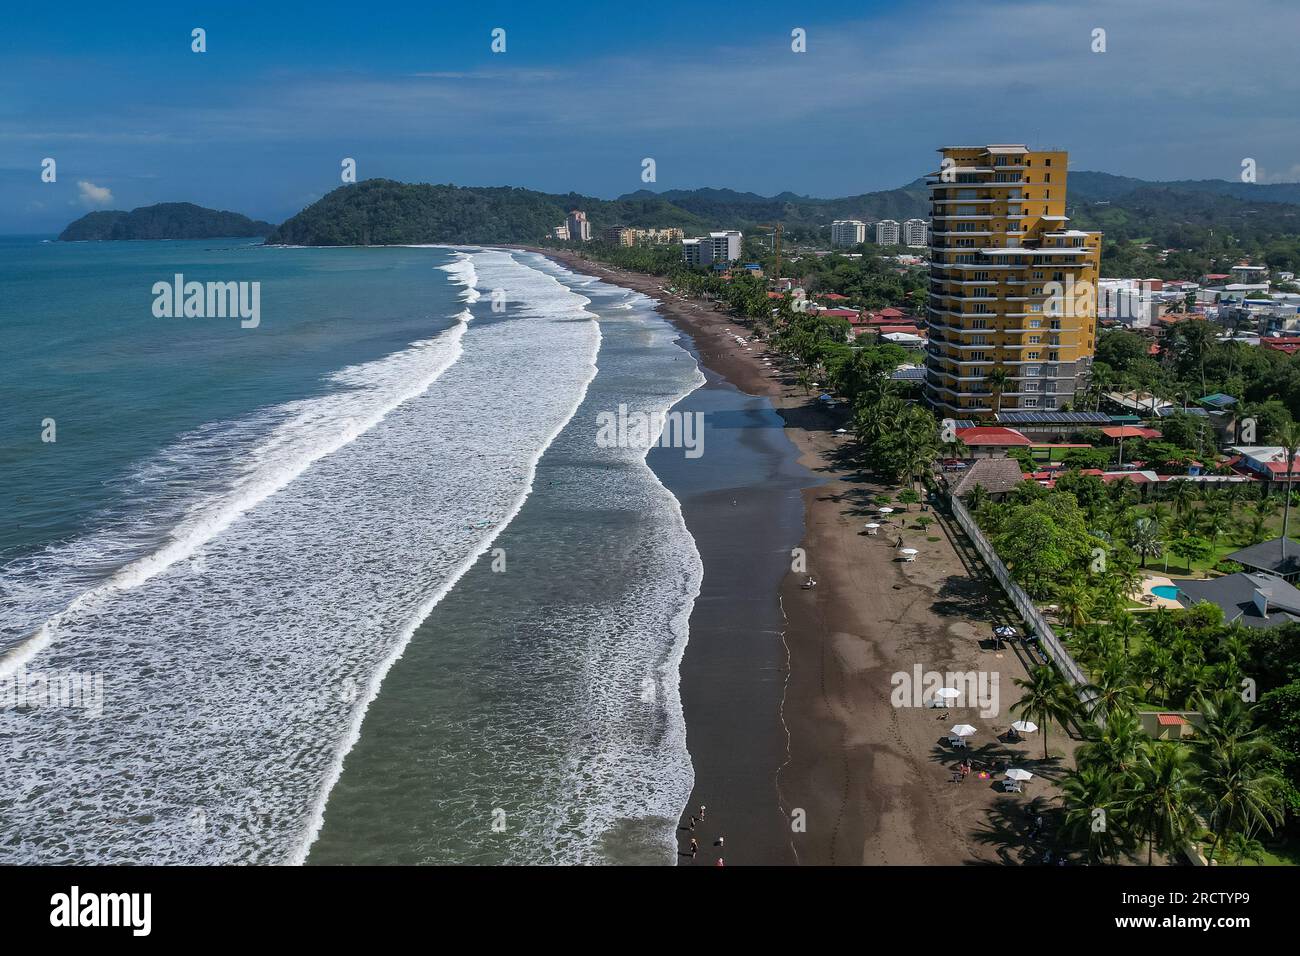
x,y
1182,495
1145,538
1160,799
1112,691
1046,697
1126,628
997,381
1075,600
1093,812
1243,797
1288,436
1116,748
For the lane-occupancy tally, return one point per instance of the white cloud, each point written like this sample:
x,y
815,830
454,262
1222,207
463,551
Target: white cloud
x,y
92,195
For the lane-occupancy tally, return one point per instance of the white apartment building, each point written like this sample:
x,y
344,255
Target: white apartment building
x,y
1135,303
848,232
579,228
887,232
916,233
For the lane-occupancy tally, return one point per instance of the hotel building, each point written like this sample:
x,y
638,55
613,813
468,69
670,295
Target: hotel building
x,y
848,232
1012,287
916,233
619,236
716,247
579,227
887,232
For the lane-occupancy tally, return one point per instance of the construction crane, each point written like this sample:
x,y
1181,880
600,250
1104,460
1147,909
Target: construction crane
x,y
776,245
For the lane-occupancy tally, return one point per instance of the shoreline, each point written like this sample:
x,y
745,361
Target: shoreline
x,y
869,782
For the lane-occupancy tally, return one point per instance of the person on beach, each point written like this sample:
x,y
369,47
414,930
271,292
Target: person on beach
x,y
721,841
695,847
702,809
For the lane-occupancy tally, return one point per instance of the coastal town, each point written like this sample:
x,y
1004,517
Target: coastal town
x,y
1105,461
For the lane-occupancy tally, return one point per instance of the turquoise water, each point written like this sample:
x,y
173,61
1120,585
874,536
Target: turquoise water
x,y
240,532
1167,591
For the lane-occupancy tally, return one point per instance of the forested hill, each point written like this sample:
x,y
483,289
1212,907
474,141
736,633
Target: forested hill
x,y
384,212
1200,215
169,220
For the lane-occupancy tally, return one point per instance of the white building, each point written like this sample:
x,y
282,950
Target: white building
x,y
1134,302
848,232
916,233
726,245
579,228
887,232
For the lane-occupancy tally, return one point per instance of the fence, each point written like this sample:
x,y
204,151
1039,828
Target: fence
x,y
1033,619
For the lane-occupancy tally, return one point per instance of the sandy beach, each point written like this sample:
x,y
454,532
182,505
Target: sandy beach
x,y
860,780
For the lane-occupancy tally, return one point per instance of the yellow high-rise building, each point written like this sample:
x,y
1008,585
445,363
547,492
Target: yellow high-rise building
x,y
1012,287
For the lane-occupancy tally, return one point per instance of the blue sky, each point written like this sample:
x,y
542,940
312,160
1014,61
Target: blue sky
x,y
260,122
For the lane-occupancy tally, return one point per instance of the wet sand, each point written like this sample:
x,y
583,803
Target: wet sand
x,y
862,781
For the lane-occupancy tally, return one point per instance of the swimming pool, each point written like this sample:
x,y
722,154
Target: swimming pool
x,y
1167,591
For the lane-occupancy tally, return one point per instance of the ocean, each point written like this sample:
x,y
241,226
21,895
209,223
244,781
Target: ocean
x,y
360,584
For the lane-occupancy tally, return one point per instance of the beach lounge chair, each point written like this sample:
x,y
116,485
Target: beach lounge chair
x,y
958,742
1011,786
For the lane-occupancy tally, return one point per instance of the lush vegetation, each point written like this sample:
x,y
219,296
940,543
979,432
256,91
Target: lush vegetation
x,y
169,220
1192,363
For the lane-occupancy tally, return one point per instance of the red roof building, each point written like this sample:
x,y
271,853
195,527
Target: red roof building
x,y
991,439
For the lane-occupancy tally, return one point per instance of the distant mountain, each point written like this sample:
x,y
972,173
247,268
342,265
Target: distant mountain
x,y
1094,187
381,211
384,212
168,220
726,208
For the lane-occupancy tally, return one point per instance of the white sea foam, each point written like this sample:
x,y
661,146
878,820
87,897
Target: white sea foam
x,y
237,674
233,683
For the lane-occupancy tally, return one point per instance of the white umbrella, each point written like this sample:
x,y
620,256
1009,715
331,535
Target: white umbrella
x,y
841,431
885,511
963,730
947,693
871,526
910,551
1024,726
1015,773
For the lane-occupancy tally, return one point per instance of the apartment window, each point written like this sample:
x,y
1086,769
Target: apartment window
x,y
981,277
1038,275
1053,357
1029,387
1032,356
1035,323
1056,325
1047,177
1035,339
1033,370
1047,162
1030,402
979,324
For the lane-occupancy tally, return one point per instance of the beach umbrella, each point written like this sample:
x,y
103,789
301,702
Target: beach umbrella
x,y
885,511
963,730
1024,726
908,551
947,693
871,526
841,431
1015,773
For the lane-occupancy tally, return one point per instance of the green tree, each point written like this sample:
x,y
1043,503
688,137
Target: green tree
x,y
1045,697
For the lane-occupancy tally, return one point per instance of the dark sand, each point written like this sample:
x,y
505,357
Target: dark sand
x,y
871,782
